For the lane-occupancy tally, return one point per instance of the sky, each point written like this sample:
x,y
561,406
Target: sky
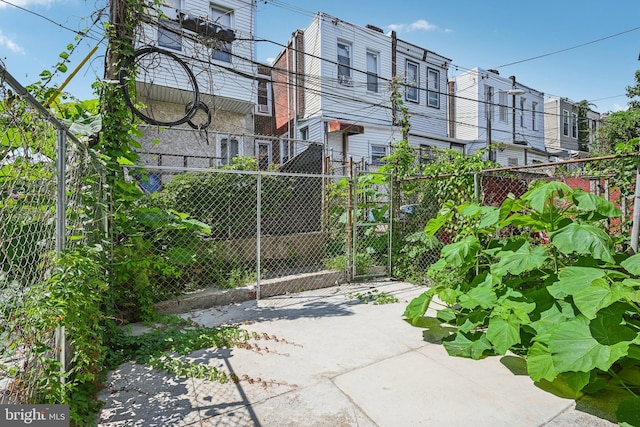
x,y
575,49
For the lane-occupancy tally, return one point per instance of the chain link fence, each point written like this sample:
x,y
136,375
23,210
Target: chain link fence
x,y
50,190
610,178
261,227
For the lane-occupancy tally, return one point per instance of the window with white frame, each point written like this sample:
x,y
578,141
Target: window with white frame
x,y
168,27
264,98
565,122
286,150
512,161
229,148
344,63
304,134
534,108
433,88
523,103
224,18
574,125
412,81
503,109
372,71
377,153
264,154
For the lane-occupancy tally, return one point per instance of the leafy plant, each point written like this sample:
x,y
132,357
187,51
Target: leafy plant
x,y
374,296
539,277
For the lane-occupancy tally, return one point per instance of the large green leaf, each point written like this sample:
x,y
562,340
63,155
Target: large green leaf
x,y
632,264
574,348
490,217
181,256
435,224
503,333
518,258
482,294
574,279
584,239
576,380
596,296
549,321
467,345
538,196
153,218
418,307
628,412
593,203
459,253
540,364
608,328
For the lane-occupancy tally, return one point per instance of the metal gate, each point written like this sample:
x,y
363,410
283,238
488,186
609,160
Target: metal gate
x,y
371,229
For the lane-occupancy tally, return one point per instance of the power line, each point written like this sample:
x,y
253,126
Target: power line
x,y
80,33
569,48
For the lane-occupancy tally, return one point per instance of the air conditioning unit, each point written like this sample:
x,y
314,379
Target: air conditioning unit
x,y
263,108
345,80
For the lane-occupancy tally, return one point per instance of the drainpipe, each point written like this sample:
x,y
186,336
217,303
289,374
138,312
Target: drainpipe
x,y
452,108
394,73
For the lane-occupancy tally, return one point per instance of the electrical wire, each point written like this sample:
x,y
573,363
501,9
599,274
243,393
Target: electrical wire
x,y
569,48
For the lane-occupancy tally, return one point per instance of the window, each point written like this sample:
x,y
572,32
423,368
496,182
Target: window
x,y
372,71
488,99
412,81
286,150
344,64
523,102
377,153
426,154
264,98
304,134
169,28
433,88
574,125
222,17
565,122
512,161
534,107
229,148
263,153
503,107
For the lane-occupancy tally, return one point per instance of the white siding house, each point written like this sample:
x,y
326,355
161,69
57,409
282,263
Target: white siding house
x,y
567,135
225,72
502,112
345,100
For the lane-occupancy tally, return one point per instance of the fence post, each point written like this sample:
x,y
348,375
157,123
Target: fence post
x,y
476,186
349,249
258,233
635,225
61,165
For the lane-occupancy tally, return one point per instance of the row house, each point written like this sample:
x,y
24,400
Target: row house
x,y
335,83
569,131
499,114
227,79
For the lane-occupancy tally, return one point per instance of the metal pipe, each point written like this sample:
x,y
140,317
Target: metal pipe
x,y
258,233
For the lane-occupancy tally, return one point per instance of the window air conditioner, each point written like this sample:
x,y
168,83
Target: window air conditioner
x,y
263,108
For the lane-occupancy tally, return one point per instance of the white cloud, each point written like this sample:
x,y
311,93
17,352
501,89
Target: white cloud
x,y
618,107
10,44
419,25
26,3
270,61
